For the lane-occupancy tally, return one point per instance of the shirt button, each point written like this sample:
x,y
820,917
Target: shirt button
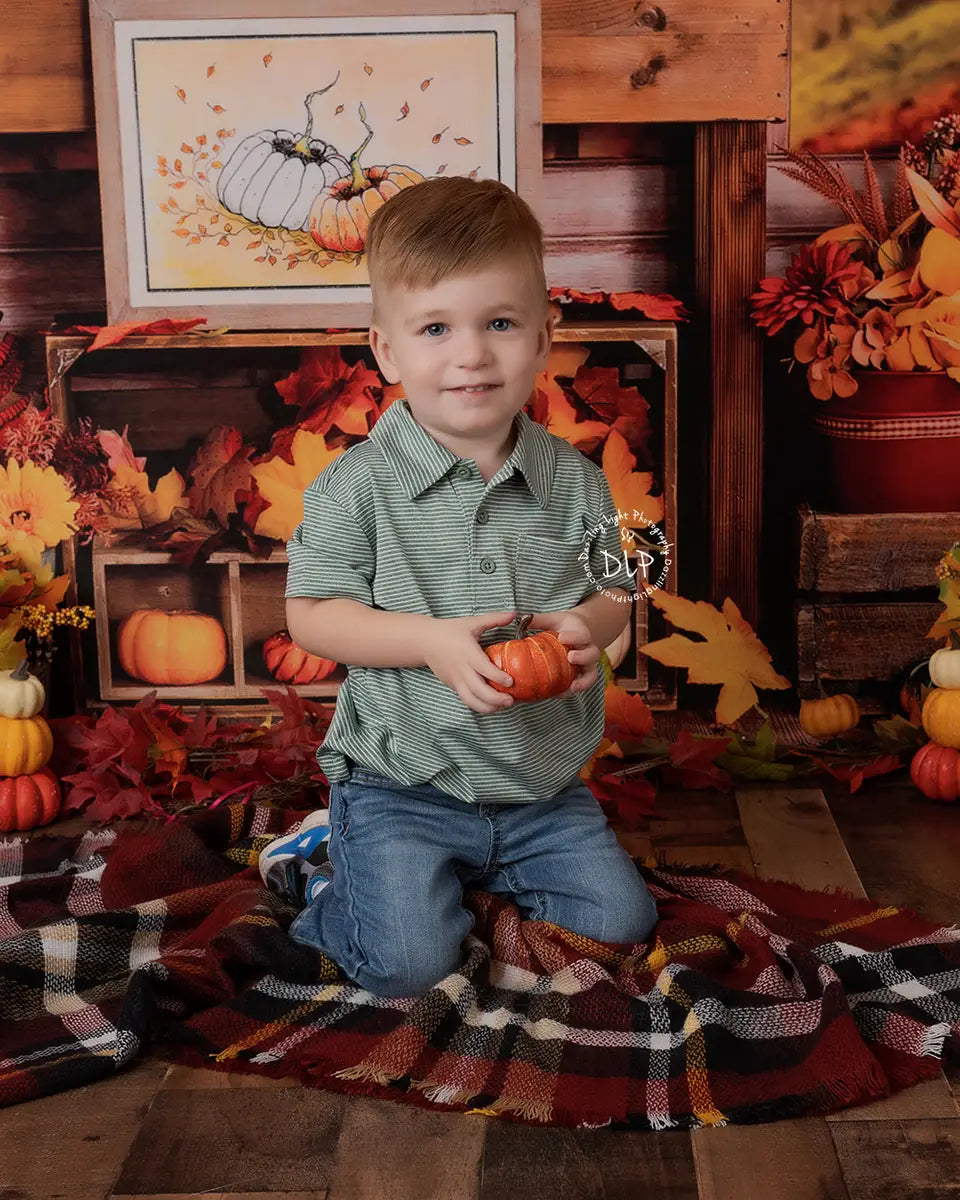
x,y
463,472
487,566
482,516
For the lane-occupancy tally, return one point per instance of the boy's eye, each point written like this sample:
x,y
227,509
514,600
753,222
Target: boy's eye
x,y
503,322
434,329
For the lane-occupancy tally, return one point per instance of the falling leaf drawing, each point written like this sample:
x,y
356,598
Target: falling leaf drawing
x,y
368,69
185,148
338,110
267,60
440,170
217,108
473,173
730,653
437,136
201,139
404,111
462,141
182,94
211,69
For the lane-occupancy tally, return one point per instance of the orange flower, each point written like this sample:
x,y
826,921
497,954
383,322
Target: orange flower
x,y
877,330
35,510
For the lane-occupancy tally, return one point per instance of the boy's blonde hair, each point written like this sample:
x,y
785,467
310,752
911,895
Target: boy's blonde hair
x,y
448,226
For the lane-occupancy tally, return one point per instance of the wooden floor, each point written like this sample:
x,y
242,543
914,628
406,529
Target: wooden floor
x,y
167,1133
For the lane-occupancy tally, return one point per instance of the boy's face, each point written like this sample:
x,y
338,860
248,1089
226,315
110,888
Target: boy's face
x,y
467,351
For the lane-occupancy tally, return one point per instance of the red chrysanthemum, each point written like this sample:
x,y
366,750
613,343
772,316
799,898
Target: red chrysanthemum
x,y
812,286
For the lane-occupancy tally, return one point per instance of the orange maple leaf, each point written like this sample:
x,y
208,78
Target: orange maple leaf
x,y
220,468
630,489
329,391
730,654
625,714
559,417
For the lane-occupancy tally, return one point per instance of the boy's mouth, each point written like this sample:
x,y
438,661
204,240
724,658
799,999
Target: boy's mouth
x,y
475,389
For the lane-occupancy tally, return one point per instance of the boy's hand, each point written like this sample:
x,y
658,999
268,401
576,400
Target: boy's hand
x,y
457,659
573,631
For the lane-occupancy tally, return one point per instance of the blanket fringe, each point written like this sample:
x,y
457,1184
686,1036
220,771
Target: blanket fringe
x,y
366,1074
934,1038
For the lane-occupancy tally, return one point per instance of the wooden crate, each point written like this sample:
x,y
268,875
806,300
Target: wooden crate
x,y
169,391
867,595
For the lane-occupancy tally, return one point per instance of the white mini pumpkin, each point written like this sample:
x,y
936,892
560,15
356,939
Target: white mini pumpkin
x,y
21,694
274,176
945,668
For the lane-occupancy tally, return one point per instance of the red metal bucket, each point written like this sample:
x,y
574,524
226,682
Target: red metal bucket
x,y
894,446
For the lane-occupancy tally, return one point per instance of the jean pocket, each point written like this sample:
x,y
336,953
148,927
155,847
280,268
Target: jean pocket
x,y
551,573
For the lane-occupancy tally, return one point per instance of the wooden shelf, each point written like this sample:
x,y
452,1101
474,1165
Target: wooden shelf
x,y
244,592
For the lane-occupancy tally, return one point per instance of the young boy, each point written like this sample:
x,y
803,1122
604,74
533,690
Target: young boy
x,y
418,547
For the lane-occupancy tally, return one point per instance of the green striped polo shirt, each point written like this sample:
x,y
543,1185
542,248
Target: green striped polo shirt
x,y
401,523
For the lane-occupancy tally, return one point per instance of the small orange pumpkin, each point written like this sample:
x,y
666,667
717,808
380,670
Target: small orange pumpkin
x,y
340,215
941,716
289,663
176,646
833,714
935,770
538,664
27,801
26,744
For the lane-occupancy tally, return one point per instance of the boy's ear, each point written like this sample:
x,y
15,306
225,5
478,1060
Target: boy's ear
x,y
545,338
383,354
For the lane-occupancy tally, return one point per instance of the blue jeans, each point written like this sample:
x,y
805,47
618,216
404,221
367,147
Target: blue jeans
x,y
392,917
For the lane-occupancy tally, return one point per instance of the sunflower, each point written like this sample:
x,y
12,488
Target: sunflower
x,y
35,510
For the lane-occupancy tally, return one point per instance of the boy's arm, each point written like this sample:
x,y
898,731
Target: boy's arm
x,y
356,635
605,618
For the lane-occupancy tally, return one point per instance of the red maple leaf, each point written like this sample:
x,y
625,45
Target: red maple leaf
x,y
692,765
329,391
220,468
856,773
626,799
622,407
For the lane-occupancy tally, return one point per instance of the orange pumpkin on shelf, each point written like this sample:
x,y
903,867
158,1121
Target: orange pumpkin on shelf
x,y
27,801
935,770
341,213
289,663
176,646
829,716
538,664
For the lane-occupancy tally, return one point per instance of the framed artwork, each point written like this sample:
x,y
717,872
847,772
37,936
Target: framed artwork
x,y
243,145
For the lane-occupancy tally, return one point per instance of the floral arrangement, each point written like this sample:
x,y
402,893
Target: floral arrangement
x,y
880,291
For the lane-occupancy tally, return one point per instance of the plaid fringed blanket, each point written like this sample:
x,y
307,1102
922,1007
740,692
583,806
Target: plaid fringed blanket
x,y
755,1001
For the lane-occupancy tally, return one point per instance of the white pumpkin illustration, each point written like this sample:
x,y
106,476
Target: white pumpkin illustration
x,y
273,176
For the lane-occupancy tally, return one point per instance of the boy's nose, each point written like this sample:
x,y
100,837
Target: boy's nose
x,y
473,351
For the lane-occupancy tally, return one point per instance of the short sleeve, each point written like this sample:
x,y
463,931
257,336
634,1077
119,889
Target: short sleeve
x,y
608,563
329,554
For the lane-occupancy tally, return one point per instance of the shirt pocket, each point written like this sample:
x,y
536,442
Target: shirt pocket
x,y
551,575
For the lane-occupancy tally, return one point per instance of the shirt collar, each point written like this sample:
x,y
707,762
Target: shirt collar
x,y
419,460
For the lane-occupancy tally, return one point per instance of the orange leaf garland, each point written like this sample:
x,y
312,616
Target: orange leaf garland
x,y
730,654
109,335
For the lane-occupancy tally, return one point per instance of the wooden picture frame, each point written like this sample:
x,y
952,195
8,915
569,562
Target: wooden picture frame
x,y
234,178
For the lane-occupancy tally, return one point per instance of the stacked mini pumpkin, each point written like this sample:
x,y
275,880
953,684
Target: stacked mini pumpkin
x,y
29,790
935,768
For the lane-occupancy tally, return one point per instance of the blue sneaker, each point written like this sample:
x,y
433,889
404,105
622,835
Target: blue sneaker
x,y
296,864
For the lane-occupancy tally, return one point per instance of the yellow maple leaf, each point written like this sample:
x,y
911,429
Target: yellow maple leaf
x,y
146,507
630,489
731,653
950,617
282,484
11,651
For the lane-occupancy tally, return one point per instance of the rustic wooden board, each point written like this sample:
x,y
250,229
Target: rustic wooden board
x,y
791,1160
893,1160
95,1127
603,60
861,641
871,552
235,1140
567,1164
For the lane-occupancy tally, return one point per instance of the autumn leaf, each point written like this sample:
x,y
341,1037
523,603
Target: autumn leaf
x,y
625,714
949,619
140,505
630,489
181,94
267,60
211,69
338,110
404,111
757,759
625,799
730,654
606,749
282,484
692,762
219,469
426,83
856,773
462,141
437,136
559,417
109,335
327,391
368,69
187,538
655,307
623,408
